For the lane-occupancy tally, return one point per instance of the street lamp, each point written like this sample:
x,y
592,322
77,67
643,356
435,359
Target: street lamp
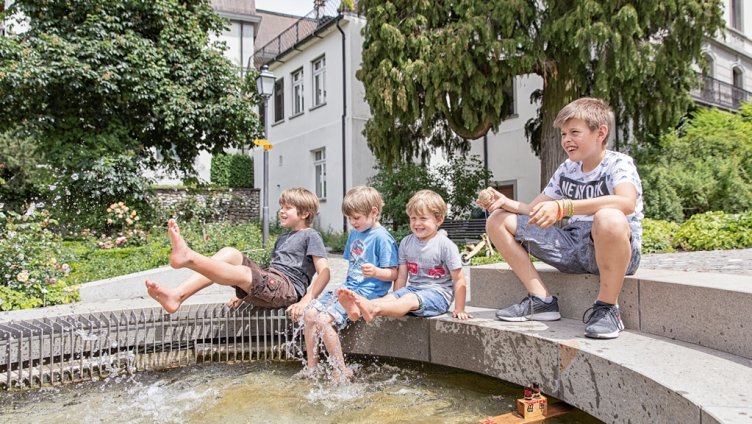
x,y
265,86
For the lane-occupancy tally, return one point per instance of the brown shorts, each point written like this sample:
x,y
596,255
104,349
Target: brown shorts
x,y
270,288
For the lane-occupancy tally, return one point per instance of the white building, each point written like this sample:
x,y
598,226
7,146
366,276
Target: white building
x,y
318,110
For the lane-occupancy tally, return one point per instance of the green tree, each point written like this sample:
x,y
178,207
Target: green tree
x,y
91,78
465,176
434,70
397,185
704,165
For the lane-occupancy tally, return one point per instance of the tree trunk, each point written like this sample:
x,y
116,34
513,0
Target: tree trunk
x,y
555,96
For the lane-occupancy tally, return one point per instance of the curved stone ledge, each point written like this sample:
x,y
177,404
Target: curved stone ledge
x,y
638,378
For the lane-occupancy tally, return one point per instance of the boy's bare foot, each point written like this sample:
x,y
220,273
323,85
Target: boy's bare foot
x,y
166,297
367,308
180,251
347,298
342,374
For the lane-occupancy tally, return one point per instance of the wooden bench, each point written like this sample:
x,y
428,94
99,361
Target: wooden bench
x,y
464,231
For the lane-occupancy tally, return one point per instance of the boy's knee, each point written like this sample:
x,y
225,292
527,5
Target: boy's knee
x,y
610,223
498,221
311,316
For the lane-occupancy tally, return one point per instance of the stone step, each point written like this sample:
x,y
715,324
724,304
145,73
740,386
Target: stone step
x,y
638,377
707,309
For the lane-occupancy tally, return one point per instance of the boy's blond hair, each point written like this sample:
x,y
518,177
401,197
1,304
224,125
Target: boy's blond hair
x,y
595,112
302,200
361,200
427,202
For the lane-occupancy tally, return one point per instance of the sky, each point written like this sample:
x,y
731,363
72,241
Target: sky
x,y
292,7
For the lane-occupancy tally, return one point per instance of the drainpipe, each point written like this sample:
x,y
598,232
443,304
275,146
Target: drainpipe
x,y
485,154
344,116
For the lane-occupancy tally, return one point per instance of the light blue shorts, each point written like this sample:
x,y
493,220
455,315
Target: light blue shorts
x,y
569,249
431,301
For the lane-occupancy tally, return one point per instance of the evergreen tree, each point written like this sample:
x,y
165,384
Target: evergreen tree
x,y
434,70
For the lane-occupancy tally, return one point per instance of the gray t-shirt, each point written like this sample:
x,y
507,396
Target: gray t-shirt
x,y
293,255
429,262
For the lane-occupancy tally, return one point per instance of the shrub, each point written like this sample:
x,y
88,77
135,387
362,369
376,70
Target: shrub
x,y
32,271
335,240
79,198
657,236
704,165
235,171
715,230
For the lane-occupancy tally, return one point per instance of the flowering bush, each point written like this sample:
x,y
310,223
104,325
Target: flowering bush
x,y
122,228
30,272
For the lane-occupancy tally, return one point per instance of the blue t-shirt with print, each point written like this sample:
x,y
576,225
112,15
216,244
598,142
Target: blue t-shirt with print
x,y
374,246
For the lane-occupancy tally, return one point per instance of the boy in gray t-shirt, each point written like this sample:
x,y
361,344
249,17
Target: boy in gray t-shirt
x,y
428,260
297,256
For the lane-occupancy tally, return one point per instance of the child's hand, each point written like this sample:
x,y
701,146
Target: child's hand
x,y
461,315
485,198
544,214
369,270
296,309
234,302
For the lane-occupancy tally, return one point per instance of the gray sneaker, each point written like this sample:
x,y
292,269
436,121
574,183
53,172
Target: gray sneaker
x,y
531,308
603,322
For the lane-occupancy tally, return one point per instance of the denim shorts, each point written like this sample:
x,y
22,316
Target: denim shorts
x,y
328,302
569,249
431,301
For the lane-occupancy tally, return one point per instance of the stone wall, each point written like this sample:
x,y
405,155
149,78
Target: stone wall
x,y
235,204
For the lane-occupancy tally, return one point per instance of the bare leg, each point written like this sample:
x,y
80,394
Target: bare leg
x,y
612,252
229,272
347,298
501,228
172,298
311,334
388,306
322,324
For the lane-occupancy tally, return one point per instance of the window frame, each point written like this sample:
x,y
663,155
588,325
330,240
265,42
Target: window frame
x,y
279,100
318,79
319,172
297,79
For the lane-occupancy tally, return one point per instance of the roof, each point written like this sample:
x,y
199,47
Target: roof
x,y
272,24
239,7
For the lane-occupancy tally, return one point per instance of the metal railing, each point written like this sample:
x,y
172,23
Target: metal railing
x,y
324,12
91,346
714,92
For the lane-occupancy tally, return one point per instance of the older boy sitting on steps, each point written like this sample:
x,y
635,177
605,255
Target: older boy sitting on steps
x,y
372,255
296,256
429,260
601,193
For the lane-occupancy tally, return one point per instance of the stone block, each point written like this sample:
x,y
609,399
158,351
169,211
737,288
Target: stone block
x,y
405,338
711,310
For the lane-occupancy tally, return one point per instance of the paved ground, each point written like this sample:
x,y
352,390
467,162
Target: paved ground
x,y
718,261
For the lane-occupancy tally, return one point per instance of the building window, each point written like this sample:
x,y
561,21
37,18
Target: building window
x,y
319,169
279,100
738,90
737,21
297,92
507,188
509,98
319,81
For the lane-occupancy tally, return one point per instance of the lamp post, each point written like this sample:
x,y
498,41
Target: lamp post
x,y
265,86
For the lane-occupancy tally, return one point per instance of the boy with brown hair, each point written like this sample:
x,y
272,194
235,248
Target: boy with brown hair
x,y
372,255
601,193
296,257
429,260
